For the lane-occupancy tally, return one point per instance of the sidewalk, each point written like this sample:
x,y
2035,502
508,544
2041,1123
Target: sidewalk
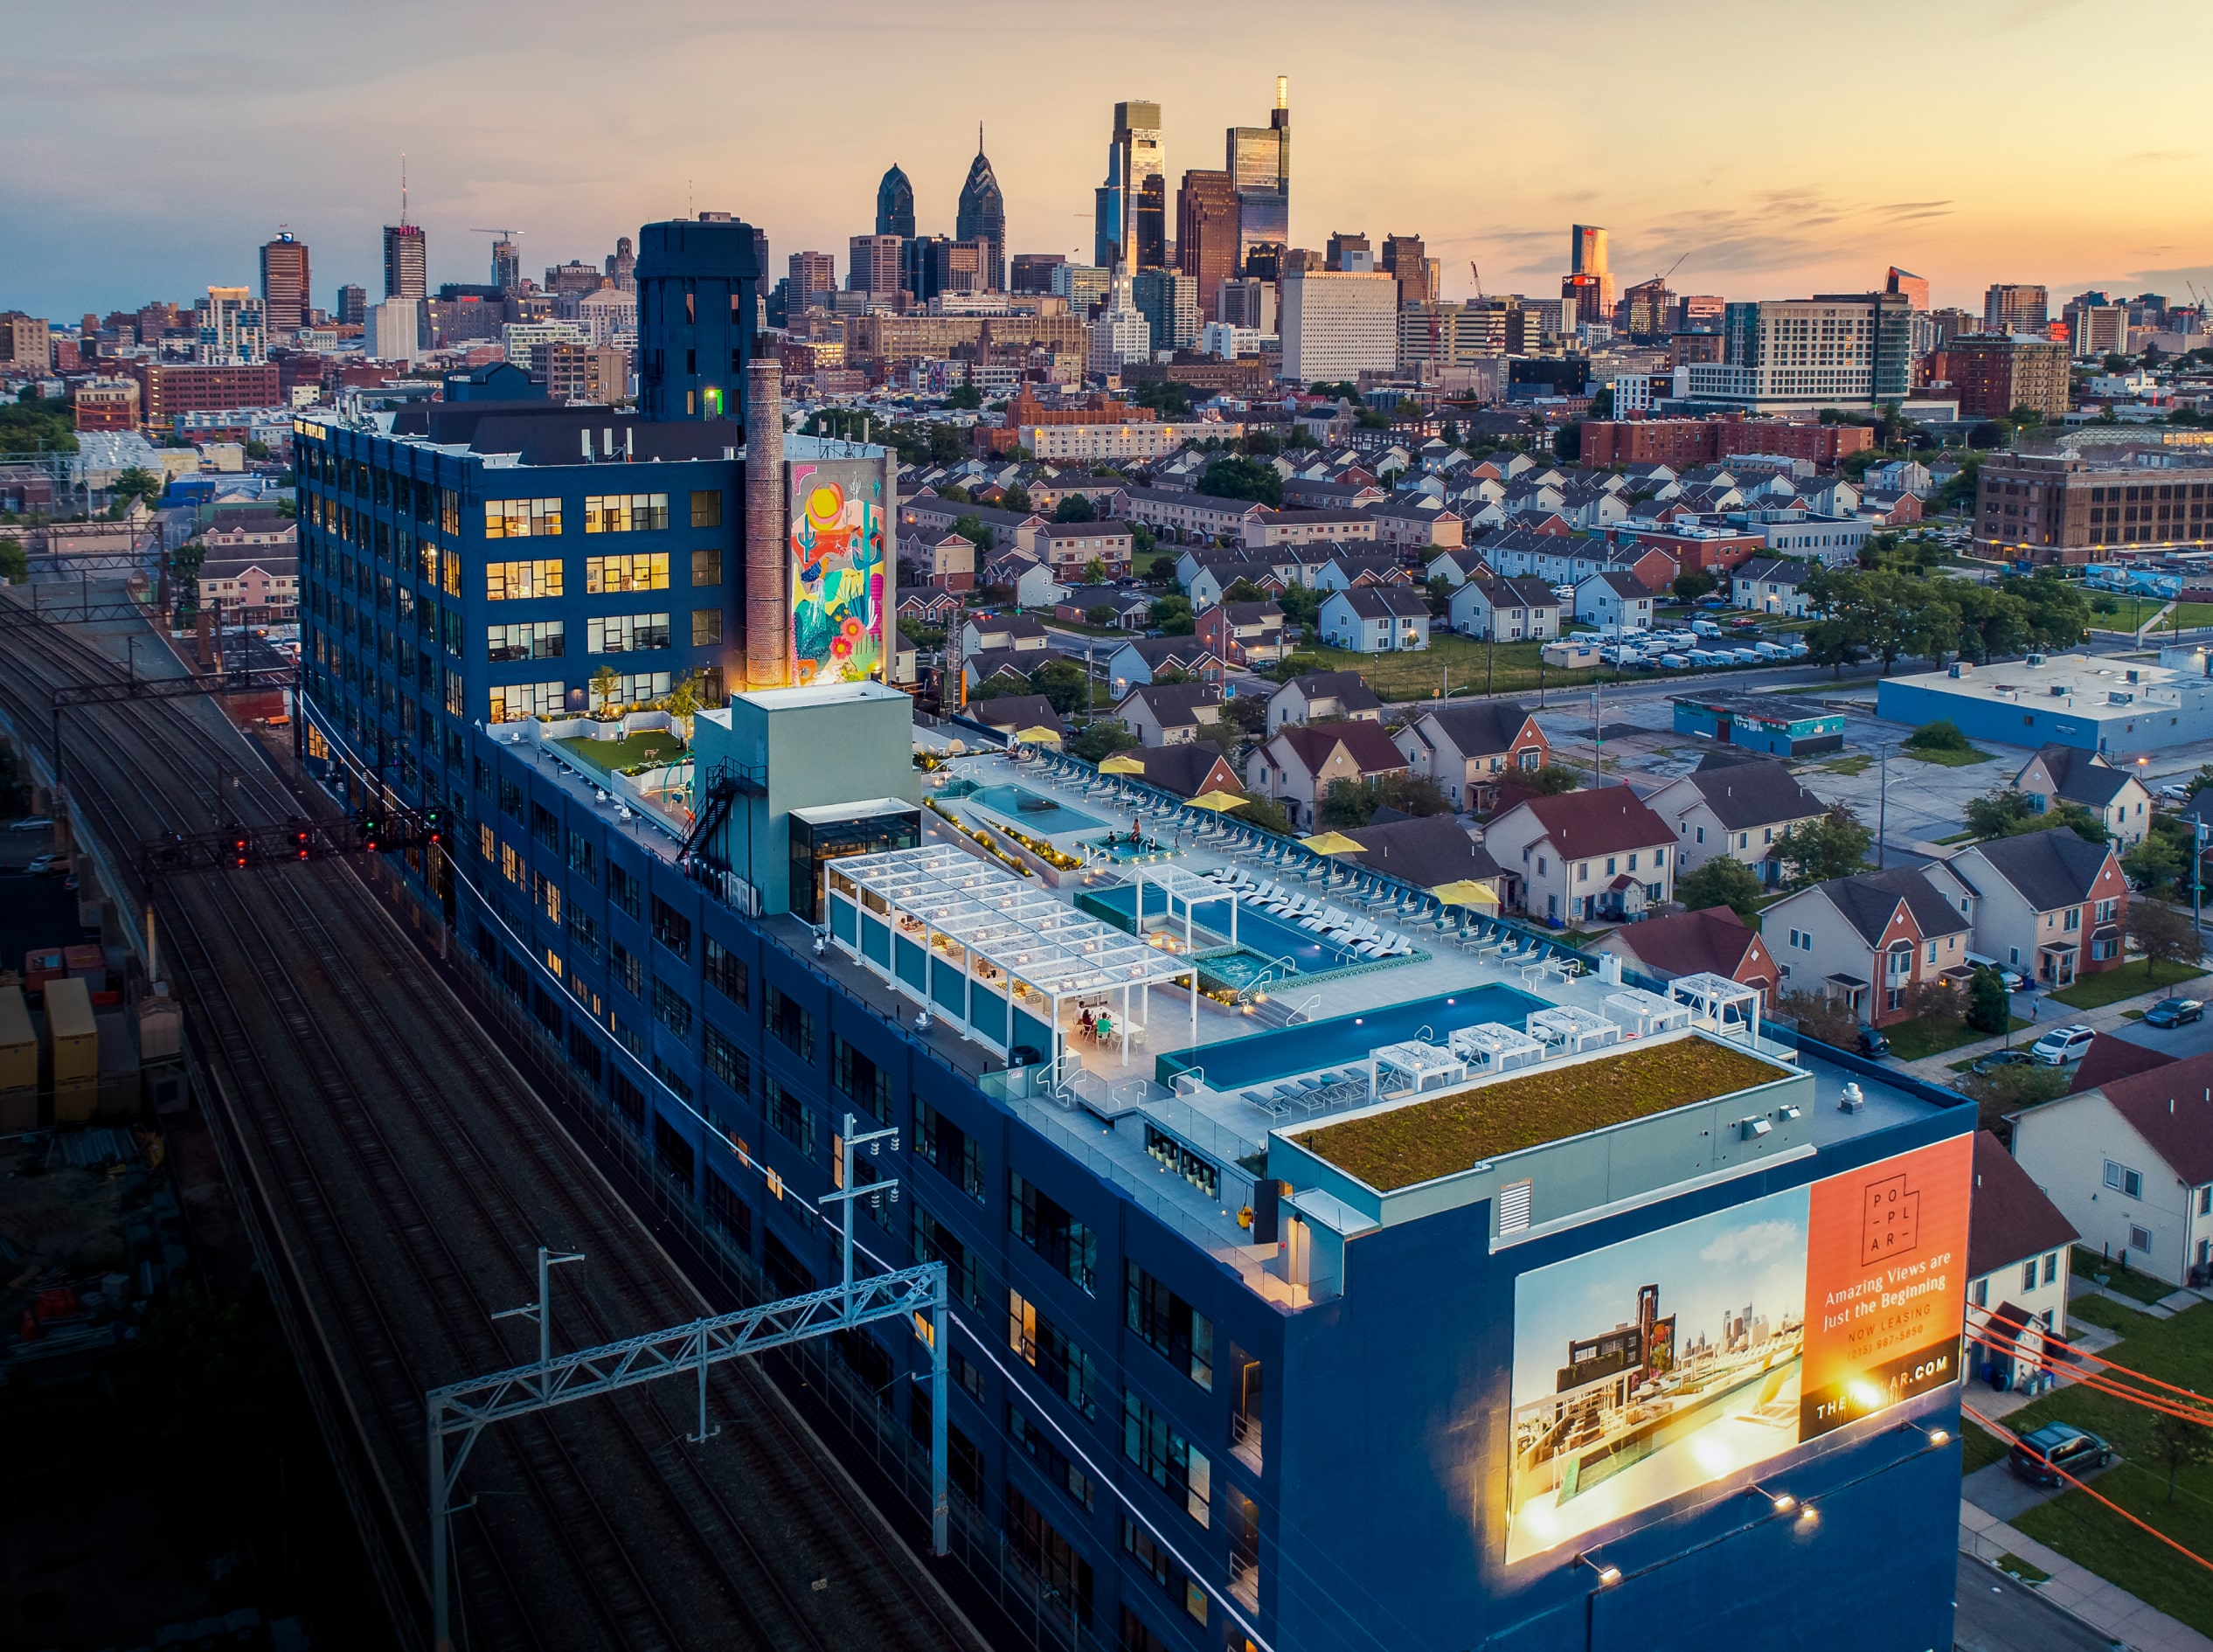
x,y
2109,1610
1936,1069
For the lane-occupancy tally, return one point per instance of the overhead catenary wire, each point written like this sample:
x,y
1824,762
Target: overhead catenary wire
x,y
2201,1413
2007,1434
2078,1355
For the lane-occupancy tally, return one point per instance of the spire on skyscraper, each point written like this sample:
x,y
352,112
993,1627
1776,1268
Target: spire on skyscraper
x,y
982,216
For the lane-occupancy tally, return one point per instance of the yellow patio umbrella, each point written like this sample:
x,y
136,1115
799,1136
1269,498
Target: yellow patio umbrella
x,y
1120,765
1039,734
1220,802
1465,892
1333,844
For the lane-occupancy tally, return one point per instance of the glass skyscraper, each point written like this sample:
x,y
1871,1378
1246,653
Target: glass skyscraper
x,y
1259,163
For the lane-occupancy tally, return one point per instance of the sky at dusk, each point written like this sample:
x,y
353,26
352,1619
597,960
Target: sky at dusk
x,y
1777,148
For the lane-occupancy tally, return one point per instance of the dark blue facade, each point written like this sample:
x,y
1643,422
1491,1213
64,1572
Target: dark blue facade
x,y
699,281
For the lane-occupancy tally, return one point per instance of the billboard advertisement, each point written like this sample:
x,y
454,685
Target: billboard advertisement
x,y
841,551
1648,1369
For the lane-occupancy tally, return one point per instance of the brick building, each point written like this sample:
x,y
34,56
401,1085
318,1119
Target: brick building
x,y
166,389
107,404
1680,442
2066,509
1993,376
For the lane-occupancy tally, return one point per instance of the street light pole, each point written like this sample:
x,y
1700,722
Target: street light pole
x,y
1882,805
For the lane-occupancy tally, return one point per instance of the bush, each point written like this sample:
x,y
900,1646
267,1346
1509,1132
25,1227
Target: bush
x,y
1989,1006
1822,1018
1722,882
1943,735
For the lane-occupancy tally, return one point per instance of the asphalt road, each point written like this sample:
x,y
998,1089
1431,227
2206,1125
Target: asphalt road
x,y
1995,1613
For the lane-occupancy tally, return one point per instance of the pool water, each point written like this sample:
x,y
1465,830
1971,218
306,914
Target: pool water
x,y
1238,969
1038,817
1345,1040
1261,932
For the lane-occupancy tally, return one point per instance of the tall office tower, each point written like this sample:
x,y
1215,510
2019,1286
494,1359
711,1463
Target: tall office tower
x,y
1586,256
959,267
895,206
230,328
1406,258
1349,252
1032,272
353,306
406,261
1135,192
574,278
813,274
2008,308
1647,309
1582,298
284,283
1259,163
982,216
1083,285
622,264
1206,233
872,264
507,266
1247,303
698,304
1169,301
1913,288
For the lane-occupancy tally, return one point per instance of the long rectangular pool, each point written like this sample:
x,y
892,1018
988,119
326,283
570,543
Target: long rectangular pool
x,y
1345,1039
1038,815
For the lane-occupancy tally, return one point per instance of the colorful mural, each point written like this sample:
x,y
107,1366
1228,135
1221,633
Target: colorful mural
x,y
839,529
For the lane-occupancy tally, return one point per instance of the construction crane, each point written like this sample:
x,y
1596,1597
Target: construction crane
x,y
1478,274
507,240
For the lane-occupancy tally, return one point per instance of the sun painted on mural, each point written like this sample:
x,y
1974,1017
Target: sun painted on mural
x,y
837,571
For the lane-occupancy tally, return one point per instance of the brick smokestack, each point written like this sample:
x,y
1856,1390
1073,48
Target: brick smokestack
x,y
768,578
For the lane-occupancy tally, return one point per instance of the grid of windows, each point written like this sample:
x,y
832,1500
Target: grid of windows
x,y
707,567
670,1010
706,510
1181,1334
956,1154
789,1022
727,1062
1048,1554
520,518
512,702
527,639
644,570
671,928
706,626
935,1242
725,972
858,1079
1171,1462
1049,1231
636,688
518,581
1049,1458
625,512
789,1116
629,973
1064,1367
1138,1543
622,889
628,632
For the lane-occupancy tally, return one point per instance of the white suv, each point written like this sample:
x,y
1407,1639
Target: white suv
x,y
2062,1045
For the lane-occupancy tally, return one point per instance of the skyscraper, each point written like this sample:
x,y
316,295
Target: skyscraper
x,y
895,206
812,272
1586,256
1259,163
698,291
507,265
982,216
353,305
1405,256
1914,287
1135,192
622,264
229,328
2008,306
1032,272
872,264
1348,250
406,261
1206,245
284,283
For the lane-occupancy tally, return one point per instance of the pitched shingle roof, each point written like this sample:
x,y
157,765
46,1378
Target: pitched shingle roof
x,y
1174,704
1480,728
2050,868
1383,601
1428,850
1366,743
2081,780
1344,687
1745,795
1869,900
1605,821
2168,1108
2009,1217
1713,940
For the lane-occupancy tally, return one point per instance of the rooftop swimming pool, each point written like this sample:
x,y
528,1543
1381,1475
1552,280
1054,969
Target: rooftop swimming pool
x,y
1258,932
1039,816
1345,1040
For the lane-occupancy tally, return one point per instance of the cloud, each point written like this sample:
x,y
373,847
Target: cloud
x,y
1749,1246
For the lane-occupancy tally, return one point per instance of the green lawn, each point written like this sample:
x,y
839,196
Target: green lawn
x,y
1857,763
1956,837
1979,1448
2140,1287
2183,616
2028,1571
1966,759
2111,986
1462,662
651,745
1933,1034
2178,1350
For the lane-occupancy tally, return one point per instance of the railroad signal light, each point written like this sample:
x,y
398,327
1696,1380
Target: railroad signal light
x,y
371,827
238,848
302,839
434,824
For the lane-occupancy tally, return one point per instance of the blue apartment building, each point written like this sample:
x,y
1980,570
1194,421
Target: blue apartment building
x,y
1249,1352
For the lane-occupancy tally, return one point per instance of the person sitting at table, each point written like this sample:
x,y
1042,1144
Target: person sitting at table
x,y
1084,1020
1103,1029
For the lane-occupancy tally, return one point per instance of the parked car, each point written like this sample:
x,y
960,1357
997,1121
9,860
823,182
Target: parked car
x,y
2174,1012
31,823
2016,980
1873,1044
2039,1456
2062,1045
1744,623
48,865
1998,1058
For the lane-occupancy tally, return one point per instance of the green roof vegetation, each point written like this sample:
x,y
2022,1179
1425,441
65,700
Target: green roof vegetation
x,y
1448,1134
647,747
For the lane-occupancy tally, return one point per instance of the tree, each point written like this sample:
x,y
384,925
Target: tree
x,y
137,483
1567,442
1692,584
2057,615
1098,741
2183,1442
1552,780
1943,735
1099,614
1094,572
2004,812
1989,1005
2009,1089
2155,862
1242,590
1067,683
1017,498
2163,935
973,530
1302,605
15,565
1346,803
1935,1001
1075,507
1723,881
1821,1018
1815,850
1411,795
966,397
1267,814
923,636
1172,615
604,683
1236,478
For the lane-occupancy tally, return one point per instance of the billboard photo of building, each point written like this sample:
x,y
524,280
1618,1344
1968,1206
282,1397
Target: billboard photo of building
x,y
1648,1369
839,564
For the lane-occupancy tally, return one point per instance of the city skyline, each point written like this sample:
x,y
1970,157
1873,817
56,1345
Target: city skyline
x,y
1795,213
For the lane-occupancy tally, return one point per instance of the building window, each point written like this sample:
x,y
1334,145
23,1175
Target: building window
x,y
626,633
2129,1182
2140,1238
706,511
1048,1554
1177,1331
646,571
952,1151
2051,1266
727,1062
625,512
1179,1585
707,567
1049,1458
1166,1457
935,1242
670,1010
521,518
725,972
1048,1229
859,1080
1058,1361
622,889
528,639
789,1022
521,581
671,928
629,973
706,626
788,1116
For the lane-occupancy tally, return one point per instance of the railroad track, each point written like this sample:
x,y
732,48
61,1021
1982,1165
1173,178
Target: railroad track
x,y
401,1173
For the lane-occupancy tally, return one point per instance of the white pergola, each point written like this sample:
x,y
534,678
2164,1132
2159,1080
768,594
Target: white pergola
x,y
1180,887
1733,1007
1573,1030
1489,1046
1640,1013
1421,1062
989,946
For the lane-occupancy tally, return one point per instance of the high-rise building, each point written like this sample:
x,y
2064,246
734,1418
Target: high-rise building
x,y
353,306
2095,328
1121,334
1913,288
872,264
1168,299
812,273
1436,333
1247,303
2008,308
1647,309
582,373
895,206
394,331
622,264
406,261
507,266
574,278
1992,376
1135,196
27,341
959,267
1582,298
1338,324
699,306
1206,247
284,283
1409,261
1082,285
1032,272
1349,251
1587,256
982,216
230,327
1258,159
1851,351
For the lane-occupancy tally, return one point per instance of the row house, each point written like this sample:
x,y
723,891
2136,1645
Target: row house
x,y
1297,764
1501,610
1867,940
1599,855
1244,634
1189,518
1471,748
1374,619
1730,807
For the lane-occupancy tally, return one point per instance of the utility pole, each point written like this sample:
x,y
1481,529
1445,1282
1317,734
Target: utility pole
x,y
2197,875
1882,804
1598,739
